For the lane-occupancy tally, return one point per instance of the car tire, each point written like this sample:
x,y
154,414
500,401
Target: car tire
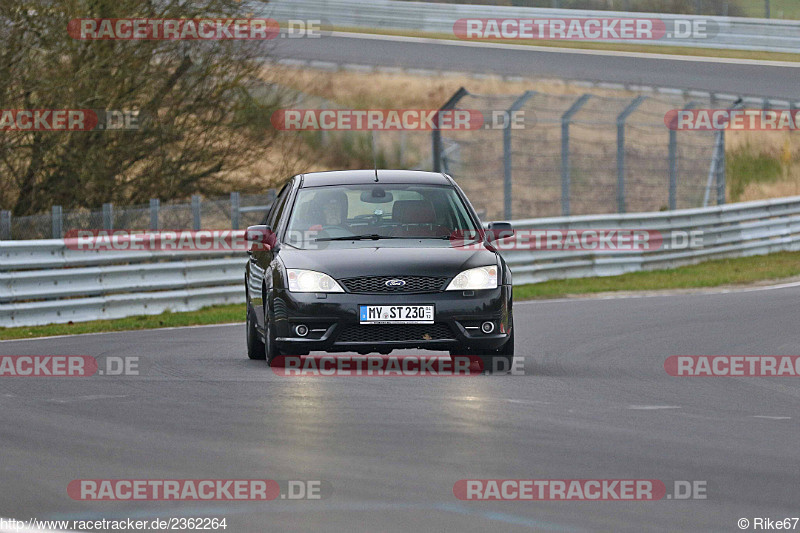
x,y
500,361
255,346
270,346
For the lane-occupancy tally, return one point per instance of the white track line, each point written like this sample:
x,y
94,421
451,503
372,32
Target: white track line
x,y
699,292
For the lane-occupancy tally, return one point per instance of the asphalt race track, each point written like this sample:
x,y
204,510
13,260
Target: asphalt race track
x,y
731,76
595,403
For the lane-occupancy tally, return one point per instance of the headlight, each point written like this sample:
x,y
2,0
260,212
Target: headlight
x,y
475,279
310,281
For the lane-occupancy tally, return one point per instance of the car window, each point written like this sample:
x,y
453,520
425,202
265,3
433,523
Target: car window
x,y
397,211
278,206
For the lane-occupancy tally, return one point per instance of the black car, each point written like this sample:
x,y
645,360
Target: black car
x,y
370,261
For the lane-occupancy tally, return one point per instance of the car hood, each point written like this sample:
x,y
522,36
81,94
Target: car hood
x,y
390,258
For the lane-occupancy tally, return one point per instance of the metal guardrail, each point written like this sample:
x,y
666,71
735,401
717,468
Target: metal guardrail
x,y
44,282
733,32
733,230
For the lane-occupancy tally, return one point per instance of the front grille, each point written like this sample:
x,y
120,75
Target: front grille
x,y
378,333
377,284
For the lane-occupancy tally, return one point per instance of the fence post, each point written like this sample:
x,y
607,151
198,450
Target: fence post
x,y
155,204
58,222
673,168
196,212
235,203
766,8
5,225
565,175
621,150
713,169
673,161
108,216
323,134
507,170
721,171
374,142
716,173
436,134
403,142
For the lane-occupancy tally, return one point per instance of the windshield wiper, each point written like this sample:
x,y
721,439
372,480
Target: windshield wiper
x,y
454,238
376,237
372,237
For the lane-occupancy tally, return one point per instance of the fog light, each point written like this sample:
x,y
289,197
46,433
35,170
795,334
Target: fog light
x,y
301,330
487,327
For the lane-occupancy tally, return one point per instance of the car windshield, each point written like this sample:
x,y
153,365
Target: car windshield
x,y
377,212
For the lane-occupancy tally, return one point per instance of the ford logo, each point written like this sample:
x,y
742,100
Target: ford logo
x,y
395,283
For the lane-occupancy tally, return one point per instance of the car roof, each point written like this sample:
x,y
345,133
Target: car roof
x,y
358,177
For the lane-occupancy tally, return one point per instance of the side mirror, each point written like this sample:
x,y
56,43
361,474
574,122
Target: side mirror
x,y
261,235
497,231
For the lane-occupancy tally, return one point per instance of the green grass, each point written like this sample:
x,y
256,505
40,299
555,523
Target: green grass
x,y
783,9
220,314
737,271
745,166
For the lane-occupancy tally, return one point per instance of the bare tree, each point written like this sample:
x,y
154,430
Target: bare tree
x,y
198,118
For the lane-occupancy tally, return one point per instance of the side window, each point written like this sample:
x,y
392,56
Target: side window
x,y
277,206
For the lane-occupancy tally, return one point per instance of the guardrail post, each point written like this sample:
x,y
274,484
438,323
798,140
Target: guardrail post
x,y
196,212
507,171
58,222
436,134
235,202
108,216
565,174
5,225
621,150
155,204
766,9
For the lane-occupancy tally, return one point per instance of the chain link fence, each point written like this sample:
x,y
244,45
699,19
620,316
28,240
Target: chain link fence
x,y
585,154
568,155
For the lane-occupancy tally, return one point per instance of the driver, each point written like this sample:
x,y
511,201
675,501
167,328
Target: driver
x,y
330,208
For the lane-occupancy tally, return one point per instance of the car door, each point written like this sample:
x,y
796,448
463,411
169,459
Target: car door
x,y
262,260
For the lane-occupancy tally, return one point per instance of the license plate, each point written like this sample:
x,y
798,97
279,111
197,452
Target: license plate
x,y
396,314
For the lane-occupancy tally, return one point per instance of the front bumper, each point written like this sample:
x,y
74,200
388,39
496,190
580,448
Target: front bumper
x,y
333,321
